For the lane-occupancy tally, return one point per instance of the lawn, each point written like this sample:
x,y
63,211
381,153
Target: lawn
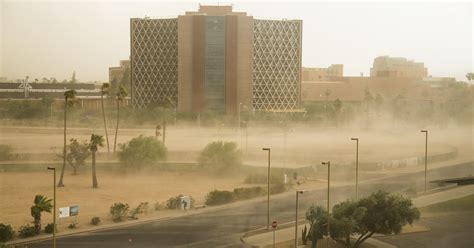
x,y
457,205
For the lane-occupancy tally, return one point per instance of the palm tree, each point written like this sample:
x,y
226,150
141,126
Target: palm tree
x,y
105,90
121,94
96,141
470,76
68,96
41,204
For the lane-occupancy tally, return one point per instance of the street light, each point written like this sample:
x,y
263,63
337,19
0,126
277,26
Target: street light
x,y
268,189
328,163
239,114
426,153
296,216
54,204
357,165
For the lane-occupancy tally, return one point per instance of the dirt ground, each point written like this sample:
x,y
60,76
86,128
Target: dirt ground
x,y
18,190
300,146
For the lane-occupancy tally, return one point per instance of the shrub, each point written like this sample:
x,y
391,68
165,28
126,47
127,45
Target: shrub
x,y
95,221
220,156
257,178
218,197
277,188
142,208
119,211
72,226
27,231
175,202
6,233
141,151
49,228
5,152
247,193
159,206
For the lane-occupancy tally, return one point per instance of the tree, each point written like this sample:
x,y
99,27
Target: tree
x,y
121,94
378,103
220,156
73,77
68,97
77,155
317,217
381,212
141,151
41,204
470,76
104,91
96,141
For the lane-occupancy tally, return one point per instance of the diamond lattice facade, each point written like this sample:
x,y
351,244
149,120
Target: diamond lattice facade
x,y
217,60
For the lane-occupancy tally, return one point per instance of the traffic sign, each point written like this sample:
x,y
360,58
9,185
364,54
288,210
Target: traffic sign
x,y
274,224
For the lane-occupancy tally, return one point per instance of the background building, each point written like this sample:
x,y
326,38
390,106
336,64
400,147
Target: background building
x,y
215,59
322,74
393,67
120,75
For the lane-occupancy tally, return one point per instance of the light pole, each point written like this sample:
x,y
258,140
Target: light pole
x,y
268,189
357,165
296,216
239,114
54,204
328,163
426,153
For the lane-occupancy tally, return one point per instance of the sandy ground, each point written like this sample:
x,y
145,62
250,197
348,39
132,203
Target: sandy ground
x,y
19,188
301,146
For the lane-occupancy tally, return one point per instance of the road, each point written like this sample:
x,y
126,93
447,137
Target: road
x,y
224,227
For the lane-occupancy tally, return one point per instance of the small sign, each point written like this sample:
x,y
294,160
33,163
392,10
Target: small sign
x,y
68,211
73,210
64,212
274,224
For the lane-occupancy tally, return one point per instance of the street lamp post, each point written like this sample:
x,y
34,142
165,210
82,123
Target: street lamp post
x,y
54,204
357,165
296,216
268,189
426,153
328,163
239,114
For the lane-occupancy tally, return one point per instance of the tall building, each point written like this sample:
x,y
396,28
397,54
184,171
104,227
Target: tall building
x,y
393,67
216,59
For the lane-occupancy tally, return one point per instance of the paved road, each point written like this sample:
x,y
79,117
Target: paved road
x,y
223,228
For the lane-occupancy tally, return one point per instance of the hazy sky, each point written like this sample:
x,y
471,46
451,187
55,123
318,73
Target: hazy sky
x,y
52,39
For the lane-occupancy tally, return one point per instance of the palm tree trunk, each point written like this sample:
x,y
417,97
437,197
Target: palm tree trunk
x,y
60,184
116,128
95,184
105,123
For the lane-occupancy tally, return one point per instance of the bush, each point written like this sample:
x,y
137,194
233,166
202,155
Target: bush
x,y
218,197
159,206
27,231
220,156
49,228
95,221
175,203
5,152
247,193
277,188
119,211
142,208
72,226
6,233
256,178
141,151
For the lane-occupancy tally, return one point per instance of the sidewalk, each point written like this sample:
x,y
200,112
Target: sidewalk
x,y
283,236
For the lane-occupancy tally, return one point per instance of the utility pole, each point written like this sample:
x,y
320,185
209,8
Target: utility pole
x,y
328,163
426,154
268,189
357,165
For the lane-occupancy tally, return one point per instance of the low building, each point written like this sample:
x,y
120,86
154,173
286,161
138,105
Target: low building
x,y
117,73
322,74
397,67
